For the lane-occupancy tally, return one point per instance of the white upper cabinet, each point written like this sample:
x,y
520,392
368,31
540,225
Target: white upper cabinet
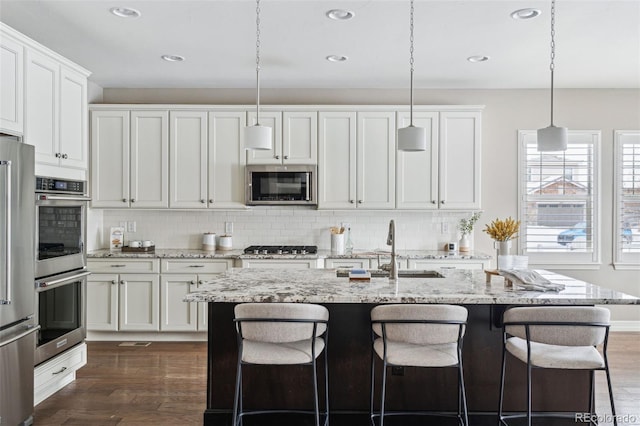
x,y
130,158
226,159
376,160
447,176
295,138
459,160
417,172
12,84
56,116
356,160
188,159
337,160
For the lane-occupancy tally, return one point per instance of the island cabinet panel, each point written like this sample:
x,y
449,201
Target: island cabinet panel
x,y
12,94
413,389
281,263
336,263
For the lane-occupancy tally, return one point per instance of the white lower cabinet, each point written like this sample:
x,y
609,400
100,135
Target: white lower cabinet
x,y
281,263
336,263
53,375
123,301
430,264
175,283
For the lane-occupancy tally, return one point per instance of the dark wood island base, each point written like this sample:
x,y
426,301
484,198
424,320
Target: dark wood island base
x,y
349,351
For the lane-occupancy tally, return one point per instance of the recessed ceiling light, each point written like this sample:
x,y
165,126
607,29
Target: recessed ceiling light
x,y
125,12
340,14
527,13
478,58
173,58
337,58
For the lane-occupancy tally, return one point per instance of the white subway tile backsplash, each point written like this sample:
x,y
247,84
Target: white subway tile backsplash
x,y
275,225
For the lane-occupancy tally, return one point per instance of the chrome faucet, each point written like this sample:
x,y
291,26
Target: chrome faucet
x,y
392,266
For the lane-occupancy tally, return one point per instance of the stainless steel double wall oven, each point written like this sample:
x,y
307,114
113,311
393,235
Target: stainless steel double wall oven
x,y
61,265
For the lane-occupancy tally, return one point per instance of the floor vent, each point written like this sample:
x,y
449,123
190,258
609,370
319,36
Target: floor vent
x,y
143,344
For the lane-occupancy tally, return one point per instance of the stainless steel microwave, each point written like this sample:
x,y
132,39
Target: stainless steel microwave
x,y
281,185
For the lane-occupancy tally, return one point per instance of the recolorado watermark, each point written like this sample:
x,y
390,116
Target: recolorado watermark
x,y
606,418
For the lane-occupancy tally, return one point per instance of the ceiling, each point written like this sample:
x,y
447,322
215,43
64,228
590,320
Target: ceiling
x,y
598,42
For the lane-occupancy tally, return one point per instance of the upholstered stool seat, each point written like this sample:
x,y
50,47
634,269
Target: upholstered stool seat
x,y
418,336
556,337
281,334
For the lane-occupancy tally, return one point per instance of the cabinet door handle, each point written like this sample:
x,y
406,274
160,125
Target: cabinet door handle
x,y
200,282
117,266
210,200
442,202
59,371
65,156
58,155
124,200
122,282
433,201
203,201
351,201
286,157
133,200
196,266
277,157
360,201
113,281
192,282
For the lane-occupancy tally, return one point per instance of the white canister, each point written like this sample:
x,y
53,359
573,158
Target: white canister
x,y
209,241
225,242
337,243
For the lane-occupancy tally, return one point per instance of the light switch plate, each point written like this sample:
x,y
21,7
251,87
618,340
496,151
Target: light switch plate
x,y
228,228
131,226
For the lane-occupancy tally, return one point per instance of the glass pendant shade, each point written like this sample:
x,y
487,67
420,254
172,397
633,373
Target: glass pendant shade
x,y
552,138
412,139
258,137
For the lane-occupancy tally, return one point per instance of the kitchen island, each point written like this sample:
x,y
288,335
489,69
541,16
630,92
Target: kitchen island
x,y
349,304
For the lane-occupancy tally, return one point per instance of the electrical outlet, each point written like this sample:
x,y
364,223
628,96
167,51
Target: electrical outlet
x,y
444,228
228,228
131,226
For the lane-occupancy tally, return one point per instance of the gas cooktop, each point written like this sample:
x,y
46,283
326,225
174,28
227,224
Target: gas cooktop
x,y
281,250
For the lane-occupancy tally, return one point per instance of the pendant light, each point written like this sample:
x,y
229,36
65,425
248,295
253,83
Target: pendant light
x,y
552,138
258,137
412,138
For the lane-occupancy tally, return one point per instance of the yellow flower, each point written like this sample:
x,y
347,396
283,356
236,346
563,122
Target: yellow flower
x,y
503,230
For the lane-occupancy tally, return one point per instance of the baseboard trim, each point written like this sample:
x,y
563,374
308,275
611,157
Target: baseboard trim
x,y
625,326
121,336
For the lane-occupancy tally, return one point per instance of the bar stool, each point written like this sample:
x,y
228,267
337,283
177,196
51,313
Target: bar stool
x,y
564,337
418,336
281,334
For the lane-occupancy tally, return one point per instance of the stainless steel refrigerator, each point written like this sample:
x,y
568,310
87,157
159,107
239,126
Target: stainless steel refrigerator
x,y
17,291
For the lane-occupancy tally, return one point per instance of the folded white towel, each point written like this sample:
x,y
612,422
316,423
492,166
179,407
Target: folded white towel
x,y
530,280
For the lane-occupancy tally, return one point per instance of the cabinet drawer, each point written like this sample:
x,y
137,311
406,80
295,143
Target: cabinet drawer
x,y
196,266
65,363
457,264
118,266
346,263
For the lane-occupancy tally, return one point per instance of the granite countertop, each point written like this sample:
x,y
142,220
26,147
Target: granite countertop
x,y
458,286
322,254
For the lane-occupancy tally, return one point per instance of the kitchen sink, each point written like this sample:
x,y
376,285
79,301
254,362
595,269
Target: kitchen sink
x,y
401,273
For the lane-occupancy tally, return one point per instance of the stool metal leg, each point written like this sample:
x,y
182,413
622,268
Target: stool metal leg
x,y
384,389
315,391
237,397
529,393
372,386
501,398
326,384
461,390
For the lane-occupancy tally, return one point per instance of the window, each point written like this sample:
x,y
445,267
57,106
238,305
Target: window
x,y
626,240
558,200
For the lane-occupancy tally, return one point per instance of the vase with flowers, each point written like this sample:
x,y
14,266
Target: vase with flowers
x,y
503,232
465,226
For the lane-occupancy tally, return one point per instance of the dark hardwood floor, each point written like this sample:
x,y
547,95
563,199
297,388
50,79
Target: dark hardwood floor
x,y
165,384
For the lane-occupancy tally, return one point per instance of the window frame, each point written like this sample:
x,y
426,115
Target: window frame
x,y
621,260
562,260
